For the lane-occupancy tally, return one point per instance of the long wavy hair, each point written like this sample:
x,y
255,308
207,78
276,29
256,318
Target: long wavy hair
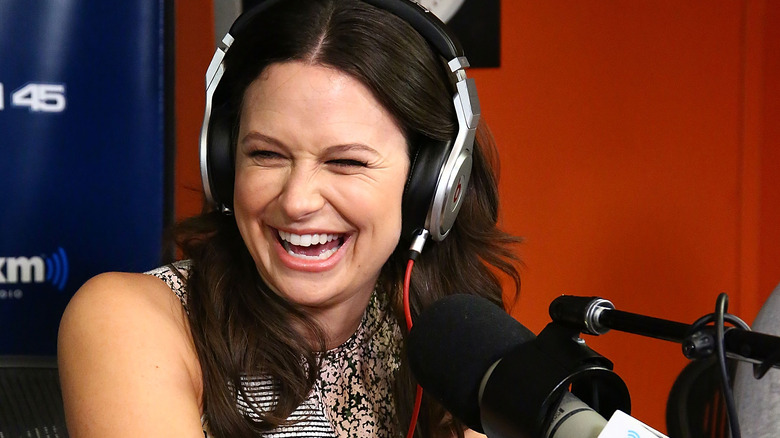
x,y
238,325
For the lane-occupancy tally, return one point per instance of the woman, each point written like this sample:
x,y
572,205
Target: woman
x,y
287,315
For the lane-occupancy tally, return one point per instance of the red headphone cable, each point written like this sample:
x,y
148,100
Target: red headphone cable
x,y
408,313
414,251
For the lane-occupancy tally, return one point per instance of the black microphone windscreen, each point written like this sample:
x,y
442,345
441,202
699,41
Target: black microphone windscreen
x,y
453,343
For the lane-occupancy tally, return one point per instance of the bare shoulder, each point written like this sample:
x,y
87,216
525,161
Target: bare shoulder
x,y
120,287
468,433
113,295
127,362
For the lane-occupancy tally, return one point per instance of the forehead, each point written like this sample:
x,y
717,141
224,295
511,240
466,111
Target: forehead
x,y
298,79
297,85
302,98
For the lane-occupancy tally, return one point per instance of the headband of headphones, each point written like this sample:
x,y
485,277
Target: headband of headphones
x,y
439,173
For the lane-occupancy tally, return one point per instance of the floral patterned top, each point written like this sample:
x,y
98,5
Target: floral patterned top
x,y
352,396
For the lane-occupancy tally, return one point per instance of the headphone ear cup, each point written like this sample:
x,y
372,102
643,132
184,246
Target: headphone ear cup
x,y
220,160
420,189
447,204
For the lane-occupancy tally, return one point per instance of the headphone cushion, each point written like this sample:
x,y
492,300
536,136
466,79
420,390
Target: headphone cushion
x,y
420,189
220,158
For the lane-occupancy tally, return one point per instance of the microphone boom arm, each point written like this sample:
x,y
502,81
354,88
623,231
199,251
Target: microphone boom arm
x,y
596,316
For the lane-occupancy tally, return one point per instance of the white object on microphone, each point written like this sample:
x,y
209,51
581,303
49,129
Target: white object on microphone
x,y
574,418
622,425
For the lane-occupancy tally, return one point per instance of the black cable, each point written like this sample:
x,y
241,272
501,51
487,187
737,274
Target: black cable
x,y
720,311
710,317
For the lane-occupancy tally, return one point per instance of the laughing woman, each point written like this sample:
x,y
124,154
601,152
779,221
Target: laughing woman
x,y
322,147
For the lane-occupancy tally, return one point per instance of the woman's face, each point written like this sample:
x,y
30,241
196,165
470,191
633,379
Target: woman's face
x,y
320,171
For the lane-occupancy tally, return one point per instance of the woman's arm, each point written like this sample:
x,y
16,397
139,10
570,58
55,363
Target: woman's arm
x,y
127,364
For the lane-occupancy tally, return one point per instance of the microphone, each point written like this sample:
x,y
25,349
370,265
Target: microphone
x,y
494,375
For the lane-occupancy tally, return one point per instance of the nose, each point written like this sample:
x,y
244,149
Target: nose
x,y
301,193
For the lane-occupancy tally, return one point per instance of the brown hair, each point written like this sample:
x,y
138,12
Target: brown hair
x,y
238,324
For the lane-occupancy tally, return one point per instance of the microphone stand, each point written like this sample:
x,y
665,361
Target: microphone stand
x,y
596,316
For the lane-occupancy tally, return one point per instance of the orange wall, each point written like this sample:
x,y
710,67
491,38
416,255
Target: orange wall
x,y
194,48
769,156
640,159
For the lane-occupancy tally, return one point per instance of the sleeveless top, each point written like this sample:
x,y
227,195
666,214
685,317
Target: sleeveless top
x,y
353,393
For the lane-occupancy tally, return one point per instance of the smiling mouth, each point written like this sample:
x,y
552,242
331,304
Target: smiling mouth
x,y
310,246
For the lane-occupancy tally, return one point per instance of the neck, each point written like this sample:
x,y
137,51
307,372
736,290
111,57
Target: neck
x,y
340,321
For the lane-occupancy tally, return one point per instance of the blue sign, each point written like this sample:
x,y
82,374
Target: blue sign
x,y
82,154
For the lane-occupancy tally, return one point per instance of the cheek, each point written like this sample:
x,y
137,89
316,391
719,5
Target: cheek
x,y
381,209
251,189
250,198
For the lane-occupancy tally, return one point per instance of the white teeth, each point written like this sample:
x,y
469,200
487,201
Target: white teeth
x,y
307,239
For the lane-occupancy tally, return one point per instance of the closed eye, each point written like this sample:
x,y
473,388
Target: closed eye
x,y
266,158
264,154
348,163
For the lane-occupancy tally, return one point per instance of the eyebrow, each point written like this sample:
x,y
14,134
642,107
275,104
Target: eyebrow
x,y
346,147
256,136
